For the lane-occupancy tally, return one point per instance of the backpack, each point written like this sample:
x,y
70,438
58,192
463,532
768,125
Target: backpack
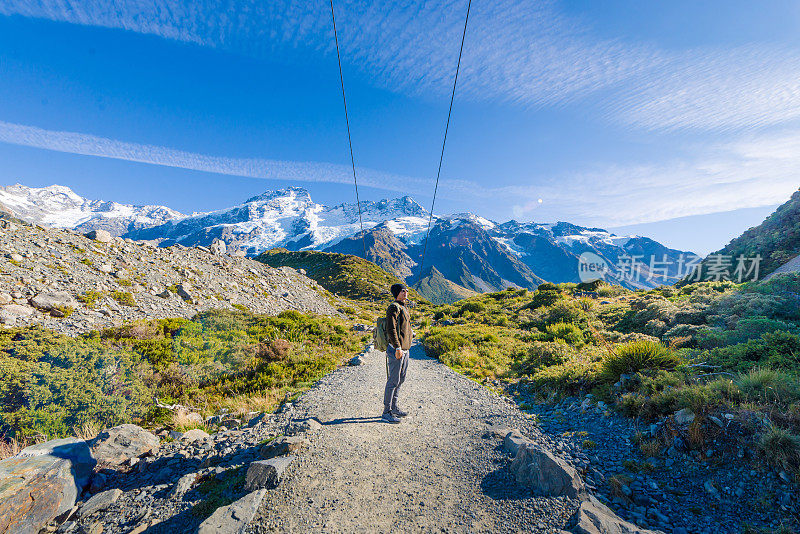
x,y
379,336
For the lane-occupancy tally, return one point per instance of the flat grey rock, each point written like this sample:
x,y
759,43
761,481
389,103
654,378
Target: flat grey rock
x,y
115,446
266,473
99,502
234,518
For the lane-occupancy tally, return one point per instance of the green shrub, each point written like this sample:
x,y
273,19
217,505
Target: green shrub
x,y
637,356
769,386
781,448
123,297
543,354
567,332
90,298
474,306
440,341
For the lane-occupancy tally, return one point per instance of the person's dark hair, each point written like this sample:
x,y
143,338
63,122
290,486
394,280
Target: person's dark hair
x,y
396,289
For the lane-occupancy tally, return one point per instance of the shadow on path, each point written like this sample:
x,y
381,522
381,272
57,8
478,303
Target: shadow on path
x,y
352,420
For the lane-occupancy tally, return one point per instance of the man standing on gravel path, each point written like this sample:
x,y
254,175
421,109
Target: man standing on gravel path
x,y
398,335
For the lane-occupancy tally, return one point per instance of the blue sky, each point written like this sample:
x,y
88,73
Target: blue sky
x,y
614,114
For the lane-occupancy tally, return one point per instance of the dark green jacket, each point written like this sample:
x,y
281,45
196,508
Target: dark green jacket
x,y
398,326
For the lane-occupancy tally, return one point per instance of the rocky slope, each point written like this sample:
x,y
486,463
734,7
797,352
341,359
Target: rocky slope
x,y
71,283
59,206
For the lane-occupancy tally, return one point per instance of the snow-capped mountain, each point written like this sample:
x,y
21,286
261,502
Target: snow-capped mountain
x,y
59,206
289,218
470,251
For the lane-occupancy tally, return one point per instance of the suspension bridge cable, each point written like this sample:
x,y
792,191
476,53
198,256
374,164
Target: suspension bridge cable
x,y
347,121
444,141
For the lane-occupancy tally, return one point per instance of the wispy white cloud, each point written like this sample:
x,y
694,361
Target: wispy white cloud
x,y
91,145
749,172
525,53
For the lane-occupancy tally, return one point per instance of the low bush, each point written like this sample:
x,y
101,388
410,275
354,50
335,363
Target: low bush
x,y
781,448
637,356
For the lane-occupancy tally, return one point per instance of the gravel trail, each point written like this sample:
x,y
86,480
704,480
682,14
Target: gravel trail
x,y
434,472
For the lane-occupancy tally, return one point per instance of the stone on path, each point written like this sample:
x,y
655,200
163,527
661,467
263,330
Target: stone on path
x,y
684,416
545,474
303,425
42,482
10,312
234,518
593,517
99,502
513,440
114,446
218,247
282,446
184,291
266,473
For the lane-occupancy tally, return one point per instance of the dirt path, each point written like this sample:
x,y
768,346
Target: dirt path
x,y
434,472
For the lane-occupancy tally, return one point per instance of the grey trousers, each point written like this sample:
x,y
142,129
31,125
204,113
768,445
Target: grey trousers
x,y
395,376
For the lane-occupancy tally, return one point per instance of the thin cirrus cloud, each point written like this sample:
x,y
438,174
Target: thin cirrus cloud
x,y
749,172
753,171
519,53
91,145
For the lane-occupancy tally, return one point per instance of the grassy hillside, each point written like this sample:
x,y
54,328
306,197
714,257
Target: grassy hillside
x,y
439,290
713,348
777,239
346,275
55,385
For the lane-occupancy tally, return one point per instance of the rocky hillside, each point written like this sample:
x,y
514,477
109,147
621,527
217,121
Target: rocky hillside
x,y
440,290
71,283
59,206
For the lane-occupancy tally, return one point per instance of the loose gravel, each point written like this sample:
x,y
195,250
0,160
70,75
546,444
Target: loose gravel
x,y
434,472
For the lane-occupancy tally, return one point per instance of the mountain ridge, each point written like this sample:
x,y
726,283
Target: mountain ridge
x,y
468,250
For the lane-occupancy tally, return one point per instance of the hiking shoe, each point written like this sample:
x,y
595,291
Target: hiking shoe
x,y
388,417
397,412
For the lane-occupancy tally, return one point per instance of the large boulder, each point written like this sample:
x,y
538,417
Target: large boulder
x,y
42,482
234,518
266,473
545,474
114,446
593,517
100,235
52,300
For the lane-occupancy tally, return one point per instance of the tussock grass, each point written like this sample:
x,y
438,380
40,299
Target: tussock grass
x,y
637,356
781,448
9,447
